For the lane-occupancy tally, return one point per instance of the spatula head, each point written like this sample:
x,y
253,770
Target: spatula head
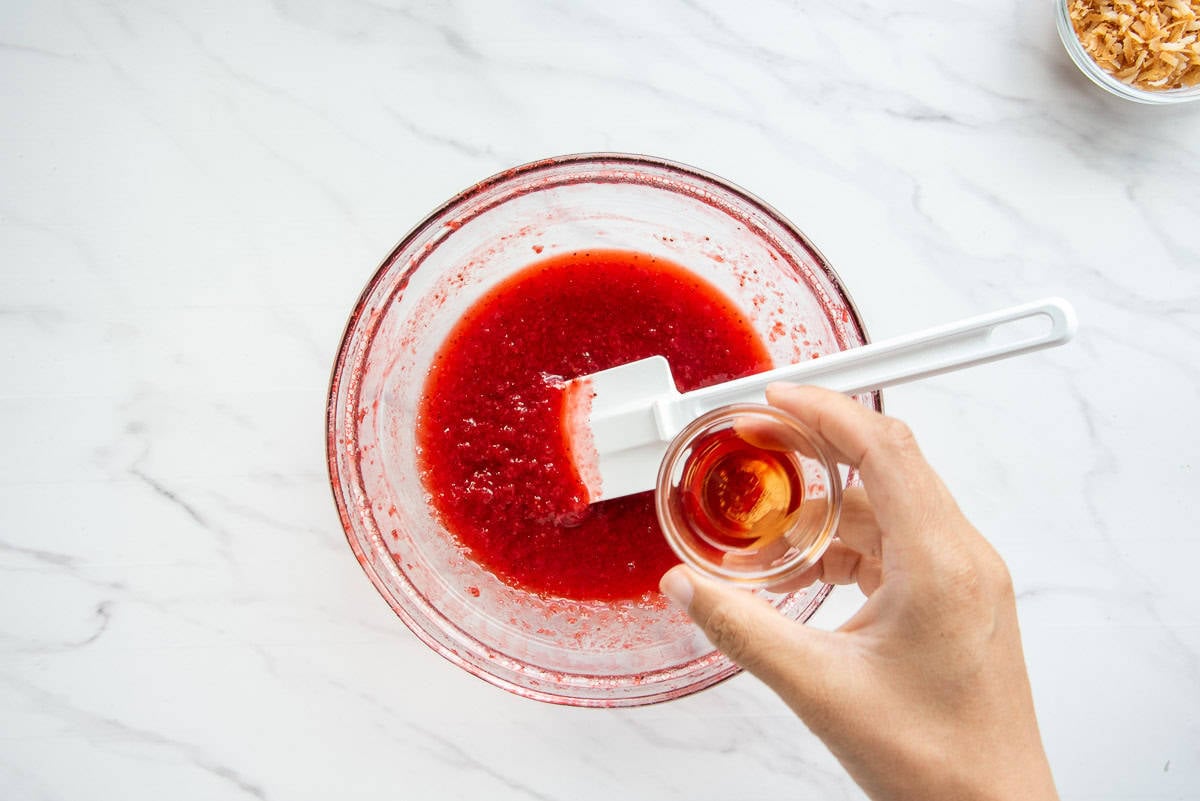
x,y
611,429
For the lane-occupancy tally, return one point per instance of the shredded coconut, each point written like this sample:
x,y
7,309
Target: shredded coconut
x,y
1151,44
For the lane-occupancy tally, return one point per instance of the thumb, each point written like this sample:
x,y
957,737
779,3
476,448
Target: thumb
x,y
790,658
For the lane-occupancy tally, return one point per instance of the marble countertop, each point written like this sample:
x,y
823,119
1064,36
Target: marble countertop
x,y
194,194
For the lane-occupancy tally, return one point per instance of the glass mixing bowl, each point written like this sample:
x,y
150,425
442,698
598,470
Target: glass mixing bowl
x,y
552,649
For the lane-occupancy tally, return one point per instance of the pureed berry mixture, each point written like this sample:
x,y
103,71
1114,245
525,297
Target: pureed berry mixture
x,y
490,445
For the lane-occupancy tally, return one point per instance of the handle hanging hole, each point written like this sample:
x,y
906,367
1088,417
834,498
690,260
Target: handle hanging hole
x,y
1026,330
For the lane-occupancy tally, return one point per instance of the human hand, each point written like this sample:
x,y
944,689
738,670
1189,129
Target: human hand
x,y
923,693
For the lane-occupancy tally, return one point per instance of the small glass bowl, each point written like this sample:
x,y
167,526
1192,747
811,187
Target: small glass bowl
x,y
749,494
1105,80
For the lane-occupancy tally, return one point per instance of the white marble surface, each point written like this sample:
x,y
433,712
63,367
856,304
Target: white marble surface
x,y
193,195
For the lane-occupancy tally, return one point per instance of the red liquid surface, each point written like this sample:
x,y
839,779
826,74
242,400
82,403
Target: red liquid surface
x,y
491,450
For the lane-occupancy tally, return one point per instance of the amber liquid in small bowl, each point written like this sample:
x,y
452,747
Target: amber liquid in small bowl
x,y
736,494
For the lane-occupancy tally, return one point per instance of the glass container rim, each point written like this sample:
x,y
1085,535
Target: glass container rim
x,y
707,422
442,222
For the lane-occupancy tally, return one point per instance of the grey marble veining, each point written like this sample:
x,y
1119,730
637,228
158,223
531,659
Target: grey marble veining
x,y
193,197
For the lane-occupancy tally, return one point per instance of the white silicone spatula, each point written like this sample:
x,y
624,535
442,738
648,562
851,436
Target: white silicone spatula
x,y
619,421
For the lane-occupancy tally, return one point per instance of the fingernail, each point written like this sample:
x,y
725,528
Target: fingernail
x,y
676,586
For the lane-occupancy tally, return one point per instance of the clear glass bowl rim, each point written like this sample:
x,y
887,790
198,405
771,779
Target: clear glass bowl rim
x,y
437,218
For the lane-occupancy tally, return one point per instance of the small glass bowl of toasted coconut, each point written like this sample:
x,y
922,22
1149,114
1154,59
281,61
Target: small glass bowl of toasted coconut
x,y
1147,51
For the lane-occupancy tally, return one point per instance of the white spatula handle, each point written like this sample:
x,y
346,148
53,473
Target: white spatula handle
x,y
976,340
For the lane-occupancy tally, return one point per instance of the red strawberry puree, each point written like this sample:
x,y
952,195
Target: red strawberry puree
x,y
491,450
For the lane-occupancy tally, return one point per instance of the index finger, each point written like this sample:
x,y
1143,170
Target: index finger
x,y
904,489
